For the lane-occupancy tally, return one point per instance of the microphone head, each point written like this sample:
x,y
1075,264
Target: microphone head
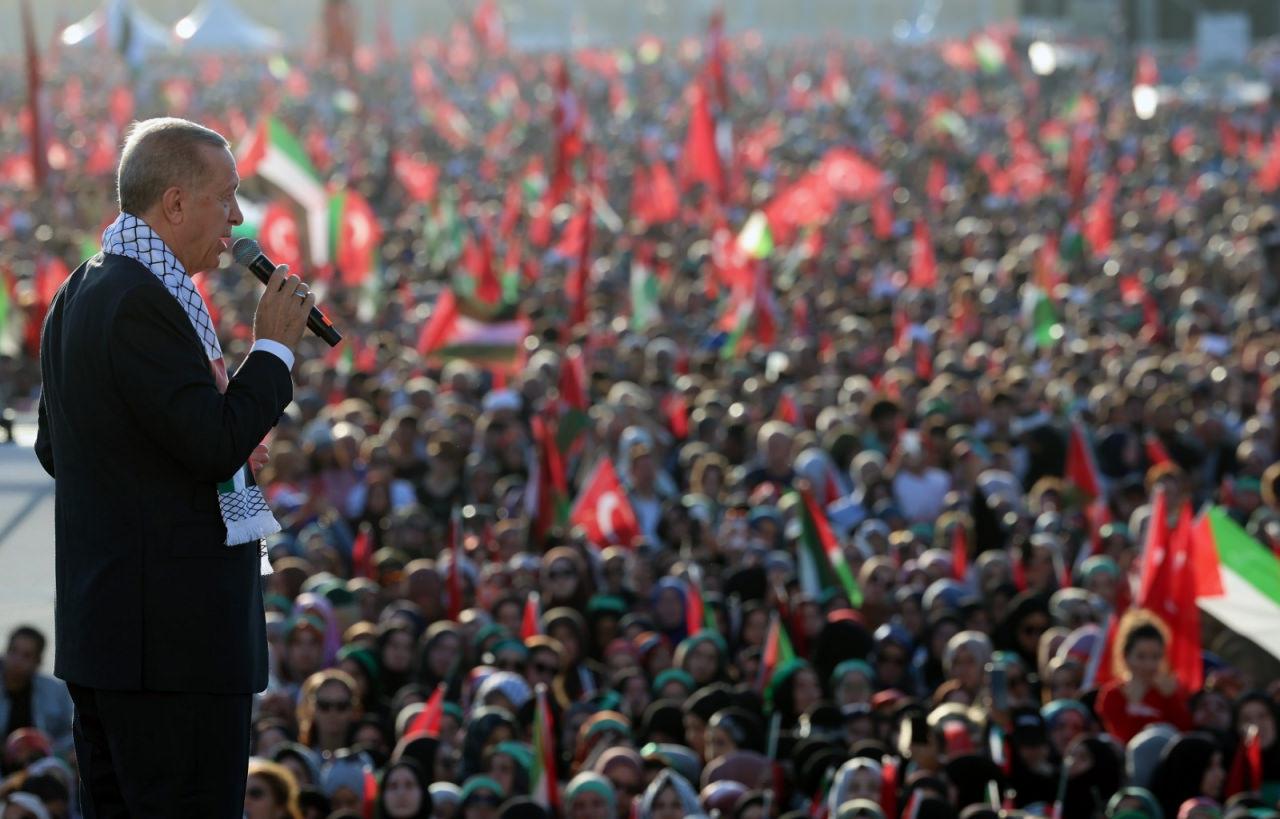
x,y
244,250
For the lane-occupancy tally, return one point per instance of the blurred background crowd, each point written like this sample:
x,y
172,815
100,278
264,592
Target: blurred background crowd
x,y
727,427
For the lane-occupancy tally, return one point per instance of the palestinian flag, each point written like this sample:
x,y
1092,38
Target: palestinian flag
x,y
698,616
450,334
275,154
989,54
998,748
756,237
544,788
1041,317
8,339
1237,579
252,214
822,564
751,315
645,309
777,651
445,233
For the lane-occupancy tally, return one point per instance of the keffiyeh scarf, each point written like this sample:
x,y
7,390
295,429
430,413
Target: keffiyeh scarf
x,y
244,508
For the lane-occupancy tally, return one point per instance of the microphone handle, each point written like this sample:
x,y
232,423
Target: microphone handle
x,y
317,322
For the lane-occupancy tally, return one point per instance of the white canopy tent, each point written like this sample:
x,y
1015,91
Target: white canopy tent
x,y
120,26
218,25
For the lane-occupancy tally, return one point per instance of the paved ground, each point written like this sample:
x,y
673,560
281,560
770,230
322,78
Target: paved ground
x,y
26,540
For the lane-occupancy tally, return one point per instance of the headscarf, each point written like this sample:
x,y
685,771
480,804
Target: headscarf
x,y
690,643
310,759
839,793
670,779
368,662
839,641
975,641
678,758
619,755
859,807
1143,753
672,585
852,667
445,793
318,603
26,801
425,807
1183,763
589,781
1021,607
343,772
1184,811
1151,806
509,684
419,746
594,729
742,726
483,723
475,784
746,767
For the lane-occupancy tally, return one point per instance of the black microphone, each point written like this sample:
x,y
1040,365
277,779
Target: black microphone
x,y
249,253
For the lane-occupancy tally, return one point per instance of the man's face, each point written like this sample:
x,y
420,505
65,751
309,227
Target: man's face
x,y
209,211
22,659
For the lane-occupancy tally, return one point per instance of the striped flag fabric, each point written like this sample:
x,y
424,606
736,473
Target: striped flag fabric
x,y
9,340
531,622
542,776
777,651
756,237
272,152
1237,579
698,615
450,334
822,564
645,295
455,565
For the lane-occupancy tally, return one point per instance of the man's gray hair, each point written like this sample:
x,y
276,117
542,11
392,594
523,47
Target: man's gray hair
x,y
159,154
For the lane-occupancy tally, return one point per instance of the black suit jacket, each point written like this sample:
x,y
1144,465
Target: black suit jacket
x,y
136,435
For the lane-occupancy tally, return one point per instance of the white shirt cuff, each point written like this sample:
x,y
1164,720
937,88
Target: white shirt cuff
x,y
276,349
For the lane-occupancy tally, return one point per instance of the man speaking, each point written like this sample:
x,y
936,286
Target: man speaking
x,y
159,618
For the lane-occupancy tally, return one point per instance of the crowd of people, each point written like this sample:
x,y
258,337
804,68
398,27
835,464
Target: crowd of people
x,y
915,399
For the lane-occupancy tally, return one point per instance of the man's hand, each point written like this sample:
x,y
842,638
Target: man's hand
x,y
259,458
282,313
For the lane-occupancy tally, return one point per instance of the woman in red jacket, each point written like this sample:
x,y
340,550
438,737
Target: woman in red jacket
x,y
1144,692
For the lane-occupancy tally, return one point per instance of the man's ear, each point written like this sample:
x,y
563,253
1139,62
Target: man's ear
x,y
172,205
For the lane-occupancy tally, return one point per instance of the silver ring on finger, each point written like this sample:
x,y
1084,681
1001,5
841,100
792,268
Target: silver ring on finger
x,y
301,292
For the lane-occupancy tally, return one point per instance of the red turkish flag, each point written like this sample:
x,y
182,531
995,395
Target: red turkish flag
x,y
849,175
604,510
924,265
1153,581
279,236
701,159
359,239
416,175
